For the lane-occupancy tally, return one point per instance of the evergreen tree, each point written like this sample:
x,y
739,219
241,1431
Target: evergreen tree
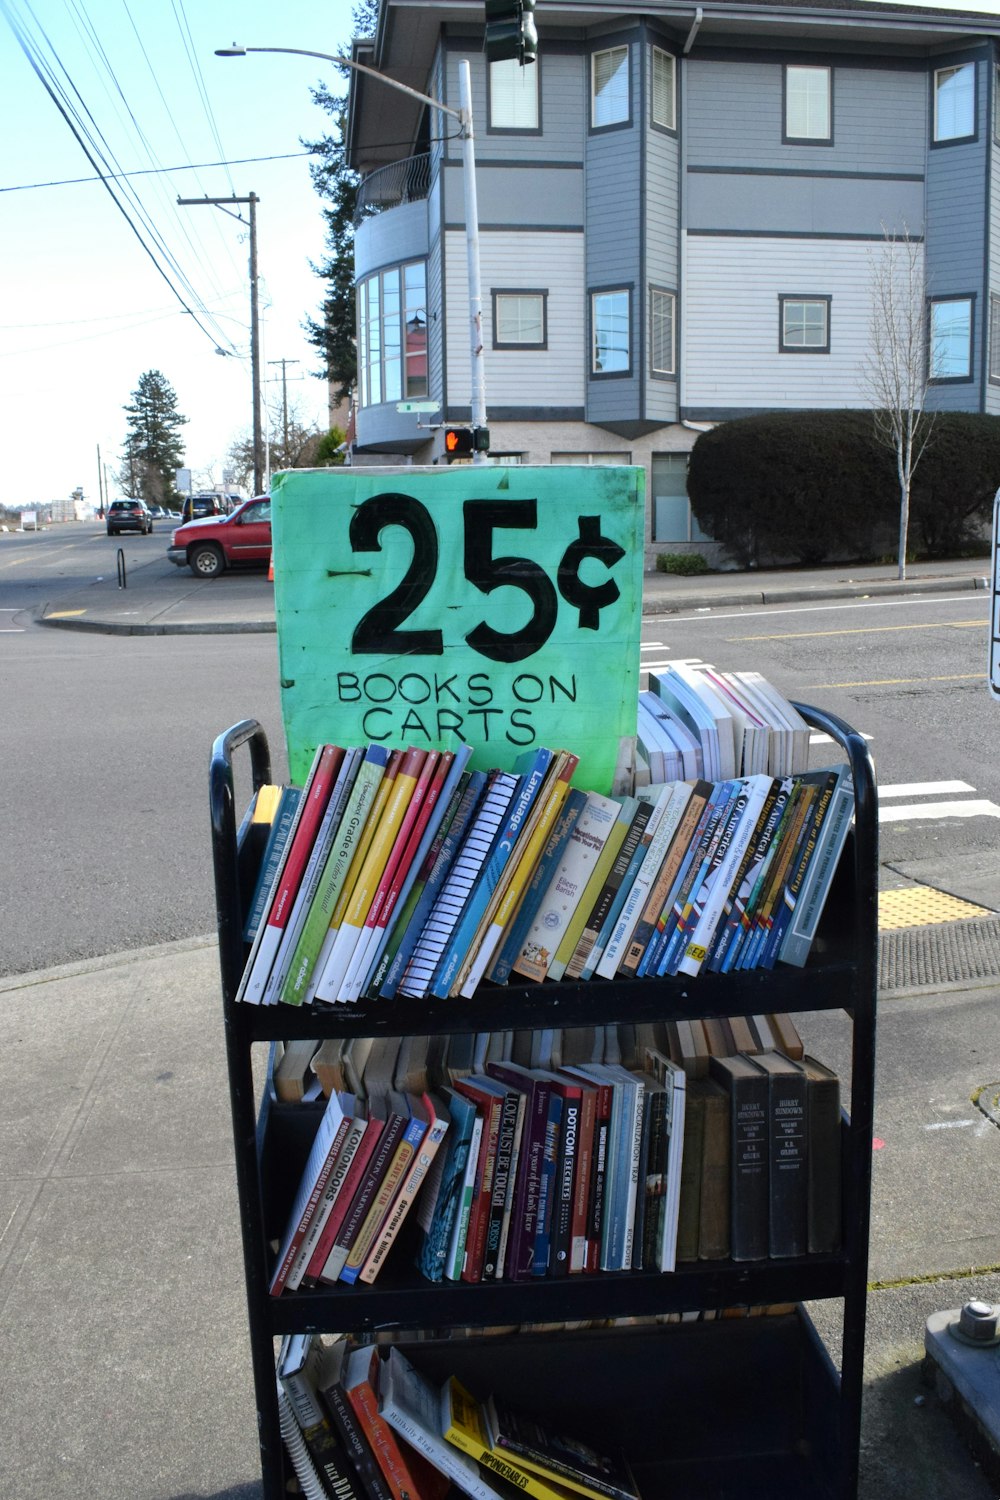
x,y
334,181
153,448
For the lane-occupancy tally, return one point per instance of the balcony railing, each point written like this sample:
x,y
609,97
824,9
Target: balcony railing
x,y
405,181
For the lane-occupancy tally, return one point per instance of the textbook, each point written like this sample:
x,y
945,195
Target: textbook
x,y
516,931
804,921
281,825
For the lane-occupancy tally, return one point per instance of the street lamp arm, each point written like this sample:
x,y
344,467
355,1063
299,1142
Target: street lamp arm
x,y
348,62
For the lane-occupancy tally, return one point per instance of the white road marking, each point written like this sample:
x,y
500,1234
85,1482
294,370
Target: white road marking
x,y
911,811
924,788
951,1124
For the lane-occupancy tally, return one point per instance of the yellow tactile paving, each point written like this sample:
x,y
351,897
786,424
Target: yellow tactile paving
x,y
923,906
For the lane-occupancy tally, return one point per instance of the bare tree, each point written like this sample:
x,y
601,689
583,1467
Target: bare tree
x,y
896,372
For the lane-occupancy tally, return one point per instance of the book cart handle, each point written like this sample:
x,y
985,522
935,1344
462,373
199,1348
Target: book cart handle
x,y
226,841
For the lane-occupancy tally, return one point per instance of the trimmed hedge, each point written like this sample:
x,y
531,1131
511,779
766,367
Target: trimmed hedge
x,y
817,485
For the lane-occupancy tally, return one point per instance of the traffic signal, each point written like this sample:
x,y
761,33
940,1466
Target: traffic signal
x,y
510,31
459,442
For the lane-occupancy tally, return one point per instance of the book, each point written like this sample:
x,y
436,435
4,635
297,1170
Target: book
x,y
724,864
801,929
570,1092
414,1177
276,843
596,1187
527,1229
582,849
788,896
417,1117
297,1372
515,933
389,1127
624,1145
530,770
309,956
455,1258
652,1177
332,1129
522,868
400,781
787,1161
774,872
409,1474
657,838
437,863
557,1455
749,1183
689,1207
352,1144
614,866
714,1221
663,1244
417,810
824,1227
463,1424
278,988
308,816
330,1381
596,882
412,1406
438,1204
293,1073
489,1098
504,1173
671,941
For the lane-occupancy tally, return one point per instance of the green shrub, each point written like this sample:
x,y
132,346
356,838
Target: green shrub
x,y
681,562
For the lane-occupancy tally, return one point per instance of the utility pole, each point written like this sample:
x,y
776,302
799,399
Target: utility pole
x,y
284,397
100,484
258,447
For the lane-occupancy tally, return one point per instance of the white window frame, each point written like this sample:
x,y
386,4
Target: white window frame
x,y
795,338
513,97
386,367
662,303
994,373
604,296
663,116
501,335
816,106
938,311
960,99
613,104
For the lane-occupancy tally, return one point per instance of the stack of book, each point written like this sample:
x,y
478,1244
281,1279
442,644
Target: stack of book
x,y
547,1155
367,1428
404,873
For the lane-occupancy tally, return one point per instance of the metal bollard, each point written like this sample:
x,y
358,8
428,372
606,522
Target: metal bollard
x,y
121,569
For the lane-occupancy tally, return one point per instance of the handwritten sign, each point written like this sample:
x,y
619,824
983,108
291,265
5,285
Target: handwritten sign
x,y
494,606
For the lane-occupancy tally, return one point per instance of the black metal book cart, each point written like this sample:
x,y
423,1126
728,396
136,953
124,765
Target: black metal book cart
x,y
710,1409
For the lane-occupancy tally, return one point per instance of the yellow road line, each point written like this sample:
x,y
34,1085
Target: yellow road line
x,y
65,614
896,681
801,635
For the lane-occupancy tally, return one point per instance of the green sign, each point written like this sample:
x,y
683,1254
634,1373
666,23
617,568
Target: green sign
x,y
492,605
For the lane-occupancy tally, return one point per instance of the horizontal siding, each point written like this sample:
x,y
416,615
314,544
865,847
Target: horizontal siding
x,y
731,289
518,195
662,208
530,377
388,238
563,85
800,205
734,112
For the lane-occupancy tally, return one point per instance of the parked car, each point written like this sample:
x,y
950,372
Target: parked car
x,y
129,515
206,503
211,545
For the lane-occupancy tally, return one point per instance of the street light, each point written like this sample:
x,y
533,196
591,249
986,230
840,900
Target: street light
x,y
464,117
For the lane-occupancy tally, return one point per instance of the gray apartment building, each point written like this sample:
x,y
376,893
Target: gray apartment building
x,y
679,207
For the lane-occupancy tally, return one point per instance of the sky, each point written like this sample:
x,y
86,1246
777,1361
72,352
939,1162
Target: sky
x,y
90,299
84,309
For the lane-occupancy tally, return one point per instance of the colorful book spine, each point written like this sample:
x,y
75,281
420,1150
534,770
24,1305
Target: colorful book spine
x,y
801,929
616,933
460,1229
319,1164
424,1157
656,887
710,902
438,1204
271,859
414,1130
516,931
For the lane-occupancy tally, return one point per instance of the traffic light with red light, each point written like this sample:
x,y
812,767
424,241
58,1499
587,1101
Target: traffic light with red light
x,y
459,442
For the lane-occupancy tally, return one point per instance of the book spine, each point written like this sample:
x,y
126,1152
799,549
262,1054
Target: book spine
x,y
439,1202
342,1203
502,1183
616,875
475,1246
750,1172
726,861
789,1184
388,1454
714,1234
527,1186
544,1220
274,853
805,850
513,939
362,1201
511,1186
460,1231
356,1129
566,1164
802,928
421,1165
582,1180
356,1444
661,886
319,1164
382,1203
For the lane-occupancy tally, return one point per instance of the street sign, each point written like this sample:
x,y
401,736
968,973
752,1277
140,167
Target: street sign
x,y
495,606
994,664
418,406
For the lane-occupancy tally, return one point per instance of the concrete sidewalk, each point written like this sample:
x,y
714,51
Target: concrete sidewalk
x,y
126,1368
158,603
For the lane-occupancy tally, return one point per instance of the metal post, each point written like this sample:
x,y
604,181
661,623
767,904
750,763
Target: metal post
x,y
258,462
478,402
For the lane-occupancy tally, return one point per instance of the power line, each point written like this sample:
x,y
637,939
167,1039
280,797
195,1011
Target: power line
x,y
194,166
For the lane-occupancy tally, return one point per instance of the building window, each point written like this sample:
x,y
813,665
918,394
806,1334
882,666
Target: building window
x,y
951,338
996,103
609,322
955,102
609,101
672,518
392,334
805,325
597,460
664,89
808,103
995,337
662,359
513,96
519,320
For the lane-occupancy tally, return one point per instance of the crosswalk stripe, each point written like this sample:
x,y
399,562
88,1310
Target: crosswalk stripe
x,y
924,788
914,810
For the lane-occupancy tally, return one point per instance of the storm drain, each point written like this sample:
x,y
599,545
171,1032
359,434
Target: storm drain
x,y
930,956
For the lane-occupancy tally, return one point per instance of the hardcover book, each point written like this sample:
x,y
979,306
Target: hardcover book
x,y
787,1143
750,1187
823,1157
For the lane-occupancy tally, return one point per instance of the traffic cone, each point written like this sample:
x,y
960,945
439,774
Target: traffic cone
x,y
270,568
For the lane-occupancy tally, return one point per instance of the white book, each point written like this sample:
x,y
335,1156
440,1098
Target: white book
x,y
688,705
412,1407
565,889
753,734
719,710
667,813
689,742
789,717
714,890
674,1080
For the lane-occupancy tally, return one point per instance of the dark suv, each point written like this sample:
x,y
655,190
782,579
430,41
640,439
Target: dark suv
x,y
200,506
129,515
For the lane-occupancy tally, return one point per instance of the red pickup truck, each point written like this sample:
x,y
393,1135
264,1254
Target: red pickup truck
x,y
210,546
